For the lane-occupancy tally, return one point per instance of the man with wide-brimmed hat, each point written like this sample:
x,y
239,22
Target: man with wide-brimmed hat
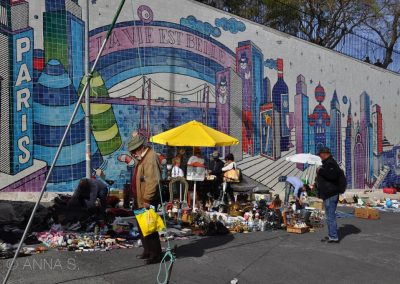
x,y
145,181
327,182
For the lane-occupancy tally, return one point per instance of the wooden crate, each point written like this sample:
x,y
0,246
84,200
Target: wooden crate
x,y
366,213
298,230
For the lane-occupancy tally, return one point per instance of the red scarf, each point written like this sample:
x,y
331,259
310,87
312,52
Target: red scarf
x,y
133,182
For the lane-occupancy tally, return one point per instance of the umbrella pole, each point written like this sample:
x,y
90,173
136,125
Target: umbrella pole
x,y
194,196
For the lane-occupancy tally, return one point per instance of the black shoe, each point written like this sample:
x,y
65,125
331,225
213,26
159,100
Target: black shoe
x,y
153,260
142,256
325,239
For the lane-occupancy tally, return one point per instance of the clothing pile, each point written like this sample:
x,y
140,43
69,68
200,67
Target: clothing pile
x,y
14,217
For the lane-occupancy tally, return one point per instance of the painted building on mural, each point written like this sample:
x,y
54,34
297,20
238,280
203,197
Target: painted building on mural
x,y
377,129
336,128
320,122
229,93
16,83
250,62
163,67
301,111
349,145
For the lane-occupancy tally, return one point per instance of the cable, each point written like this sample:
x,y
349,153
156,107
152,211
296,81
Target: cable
x,y
176,92
131,84
131,92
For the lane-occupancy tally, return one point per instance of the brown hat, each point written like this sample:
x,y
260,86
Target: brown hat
x,y
135,142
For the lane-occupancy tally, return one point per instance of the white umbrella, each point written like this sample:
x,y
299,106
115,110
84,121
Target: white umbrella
x,y
304,158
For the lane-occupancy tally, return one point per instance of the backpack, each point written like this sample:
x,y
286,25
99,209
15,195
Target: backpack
x,y
342,182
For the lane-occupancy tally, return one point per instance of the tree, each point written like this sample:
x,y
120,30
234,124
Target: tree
x,y
215,3
322,22
386,25
249,9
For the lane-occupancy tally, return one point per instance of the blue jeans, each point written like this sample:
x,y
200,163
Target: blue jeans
x,y
330,210
289,189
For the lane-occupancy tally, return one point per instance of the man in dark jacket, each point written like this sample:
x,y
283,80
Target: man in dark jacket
x,y
328,189
216,166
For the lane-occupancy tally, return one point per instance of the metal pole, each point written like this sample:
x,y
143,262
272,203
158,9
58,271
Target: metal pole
x,y
87,95
78,103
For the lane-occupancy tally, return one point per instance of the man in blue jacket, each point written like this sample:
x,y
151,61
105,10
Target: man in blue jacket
x,y
294,185
327,182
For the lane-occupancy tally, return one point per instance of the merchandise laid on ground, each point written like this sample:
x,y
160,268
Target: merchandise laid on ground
x,y
368,203
251,212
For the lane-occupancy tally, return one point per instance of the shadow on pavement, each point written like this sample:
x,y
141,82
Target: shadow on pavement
x,y
212,244
347,229
100,274
197,248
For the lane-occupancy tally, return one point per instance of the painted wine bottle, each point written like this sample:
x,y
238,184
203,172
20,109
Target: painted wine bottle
x,y
280,98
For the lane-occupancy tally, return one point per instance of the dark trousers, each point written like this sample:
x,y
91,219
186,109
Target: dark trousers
x,y
151,245
102,195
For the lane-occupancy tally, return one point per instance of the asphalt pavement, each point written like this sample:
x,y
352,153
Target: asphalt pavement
x,y
369,252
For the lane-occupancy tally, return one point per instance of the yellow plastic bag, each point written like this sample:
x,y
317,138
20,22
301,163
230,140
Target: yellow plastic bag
x,y
149,222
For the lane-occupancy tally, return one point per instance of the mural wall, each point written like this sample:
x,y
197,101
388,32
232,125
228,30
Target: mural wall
x,y
163,67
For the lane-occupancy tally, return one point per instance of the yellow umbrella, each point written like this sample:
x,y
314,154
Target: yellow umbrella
x,y
194,134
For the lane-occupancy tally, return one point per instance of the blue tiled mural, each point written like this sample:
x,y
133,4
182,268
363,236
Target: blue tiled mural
x,y
156,74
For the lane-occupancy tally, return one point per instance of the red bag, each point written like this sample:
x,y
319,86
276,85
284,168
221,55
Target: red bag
x,y
389,190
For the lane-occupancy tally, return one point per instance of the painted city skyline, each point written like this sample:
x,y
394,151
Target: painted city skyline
x,y
234,93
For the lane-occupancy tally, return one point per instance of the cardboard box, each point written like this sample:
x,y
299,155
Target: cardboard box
x,y
317,204
267,197
366,213
297,230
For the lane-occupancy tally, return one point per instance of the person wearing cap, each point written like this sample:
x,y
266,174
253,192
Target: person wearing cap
x,y
145,181
327,182
197,159
297,187
215,169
